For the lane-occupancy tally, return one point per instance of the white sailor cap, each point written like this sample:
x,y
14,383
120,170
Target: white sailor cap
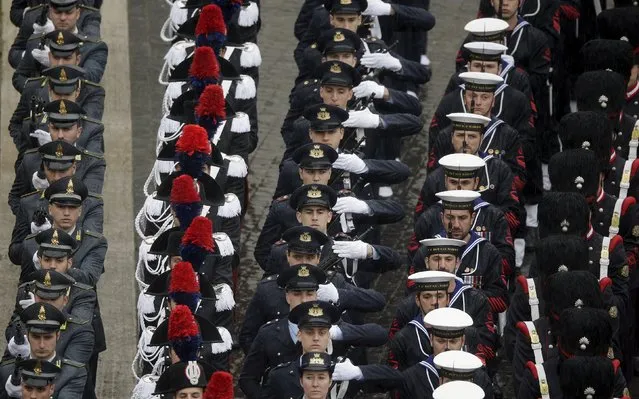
x,y
457,365
458,199
488,29
481,81
447,322
442,246
467,121
458,389
461,166
485,51
432,280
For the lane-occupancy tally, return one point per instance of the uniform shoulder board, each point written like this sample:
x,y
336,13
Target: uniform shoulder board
x,y
92,120
271,322
38,79
30,236
31,193
83,286
72,363
31,150
282,198
282,365
86,7
279,243
75,320
94,195
38,36
272,277
93,154
9,361
90,83
89,39
93,234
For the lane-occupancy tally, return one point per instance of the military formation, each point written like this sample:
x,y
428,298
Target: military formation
x,y
525,234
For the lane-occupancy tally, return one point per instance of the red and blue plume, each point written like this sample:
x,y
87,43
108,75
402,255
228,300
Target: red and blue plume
x,y
184,333
185,200
204,70
197,242
184,287
220,386
193,150
211,109
210,30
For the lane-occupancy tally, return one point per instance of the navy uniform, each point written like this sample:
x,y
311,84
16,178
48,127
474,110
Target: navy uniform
x,y
32,212
43,318
90,166
93,55
88,23
59,81
284,381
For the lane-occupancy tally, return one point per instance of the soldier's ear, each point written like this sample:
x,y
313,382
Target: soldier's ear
x,y
298,215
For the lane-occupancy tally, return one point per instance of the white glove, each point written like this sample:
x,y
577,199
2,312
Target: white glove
x,y
35,229
336,333
25,303
43,29
351,205
19,350
38,183
381,60
42,56
351,249
327,293
43,136
347,371
350,163
13,391
369,88
365,119
377,8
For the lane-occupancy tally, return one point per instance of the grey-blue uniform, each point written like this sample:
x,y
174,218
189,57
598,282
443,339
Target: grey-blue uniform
x,y
19,7
61,80
88,22
44,318
93,55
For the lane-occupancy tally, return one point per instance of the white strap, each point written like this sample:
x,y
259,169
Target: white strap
x,y
624,186
616,215
543,382
634,141
604,261
533,300
534,342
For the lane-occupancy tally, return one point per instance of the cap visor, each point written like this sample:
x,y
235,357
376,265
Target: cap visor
x,y
53,253
36,382
302,286
43,329
53,165
339,48
325,127
316,165
337,82
315,202
66,201
49,294
63,88
316,323
64,51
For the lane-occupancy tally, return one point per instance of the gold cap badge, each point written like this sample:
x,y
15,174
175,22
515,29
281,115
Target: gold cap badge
x,y
59,152
323,114
60,39
42,314
63,107
338,37
38,368
314,193
316,152
305,237
47,280
70,189
303,272
316,311
63,75
317,359
54,239
335,68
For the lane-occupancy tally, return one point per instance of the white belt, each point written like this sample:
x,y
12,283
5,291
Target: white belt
x,y
604,261
543,382
533,300
534,342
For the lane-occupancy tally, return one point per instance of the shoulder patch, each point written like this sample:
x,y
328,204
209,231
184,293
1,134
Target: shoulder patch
x,y
72,363
93,154
93,234
31,193
89,8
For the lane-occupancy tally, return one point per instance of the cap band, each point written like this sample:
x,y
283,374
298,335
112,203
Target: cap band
x,y
481,87
458,206
432,286
457,375
442,249
478,37
447,333
473,127
485,57
460,174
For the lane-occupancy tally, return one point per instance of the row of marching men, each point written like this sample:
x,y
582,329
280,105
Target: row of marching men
x,y
196,192
531,171
55,333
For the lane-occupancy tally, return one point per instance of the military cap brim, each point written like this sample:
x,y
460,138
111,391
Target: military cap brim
x,y
301,278
327,197
337,73
349,43
208,332
175,378
210,191
63,5
305,239
162,244
314,314
59,192
324,117
160,286
65,245
315,156
38,373
59,155
316,361
42,318
67,83
49,284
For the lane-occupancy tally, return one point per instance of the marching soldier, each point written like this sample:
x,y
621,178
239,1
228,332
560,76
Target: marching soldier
x,y
37,377
184,378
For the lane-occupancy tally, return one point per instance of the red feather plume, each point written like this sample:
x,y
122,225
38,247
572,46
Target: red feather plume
x,y
199,233
212,103
220,386
182,323
184,279
183,190
193,139
205,64
211,21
